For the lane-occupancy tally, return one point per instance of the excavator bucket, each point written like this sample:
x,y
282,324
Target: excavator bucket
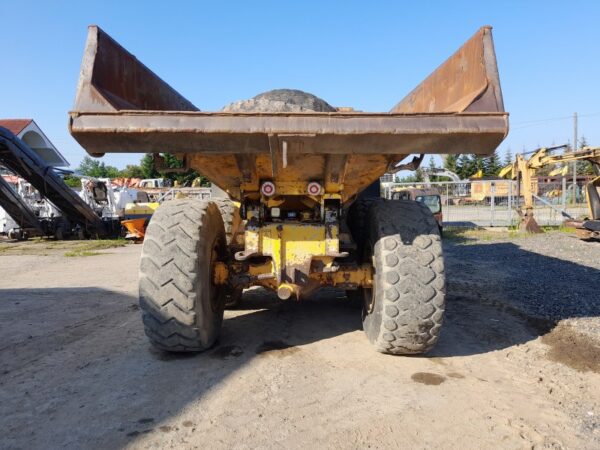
x,y
122,106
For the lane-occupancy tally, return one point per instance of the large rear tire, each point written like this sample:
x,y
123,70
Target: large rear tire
x,y
358,216
231,217
403,313
358,220
232,222
182,308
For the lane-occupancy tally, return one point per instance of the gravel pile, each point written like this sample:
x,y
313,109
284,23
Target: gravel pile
x,y
281,100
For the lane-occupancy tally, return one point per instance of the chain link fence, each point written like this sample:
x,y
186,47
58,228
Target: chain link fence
x,y
494,202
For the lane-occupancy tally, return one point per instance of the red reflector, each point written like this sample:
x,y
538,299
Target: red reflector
x,y
267,188
314,188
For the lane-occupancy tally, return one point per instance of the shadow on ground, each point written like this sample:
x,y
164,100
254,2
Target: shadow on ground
x,y
77,370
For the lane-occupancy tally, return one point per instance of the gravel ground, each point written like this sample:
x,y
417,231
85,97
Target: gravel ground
x,y
515,367
553,277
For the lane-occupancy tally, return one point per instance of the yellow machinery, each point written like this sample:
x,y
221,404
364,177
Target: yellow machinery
x,y
137,216
524,171
482,189
300,177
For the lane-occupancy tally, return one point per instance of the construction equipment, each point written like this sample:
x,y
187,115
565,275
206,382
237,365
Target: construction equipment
x,y
297,174
19,158
523,170
107,201
155,183
136,218
429,172
137,214
483,190
18,221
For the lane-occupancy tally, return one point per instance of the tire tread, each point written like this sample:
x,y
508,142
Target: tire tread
x,y
169,275
410,277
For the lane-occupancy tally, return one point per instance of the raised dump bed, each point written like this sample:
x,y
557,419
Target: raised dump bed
x,y
121,106
295,175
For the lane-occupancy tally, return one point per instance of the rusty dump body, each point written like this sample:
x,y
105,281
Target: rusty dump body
x,y
121,106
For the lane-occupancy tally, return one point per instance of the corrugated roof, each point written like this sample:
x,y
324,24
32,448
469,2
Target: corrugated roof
x,y
15,125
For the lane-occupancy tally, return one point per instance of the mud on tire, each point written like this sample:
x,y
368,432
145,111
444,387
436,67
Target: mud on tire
x,y
182,309
404,311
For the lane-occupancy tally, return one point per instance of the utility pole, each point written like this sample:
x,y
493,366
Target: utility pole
x,y
574,162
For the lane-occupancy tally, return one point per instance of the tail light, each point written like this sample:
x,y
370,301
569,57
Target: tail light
x,y
314,188
267,189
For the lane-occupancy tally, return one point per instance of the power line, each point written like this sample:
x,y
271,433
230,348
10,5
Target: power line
x,y
531,123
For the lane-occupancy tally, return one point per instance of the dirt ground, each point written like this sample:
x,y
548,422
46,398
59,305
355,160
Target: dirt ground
x,y
517,365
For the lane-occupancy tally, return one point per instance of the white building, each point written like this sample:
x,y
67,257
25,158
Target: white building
x,y
28,131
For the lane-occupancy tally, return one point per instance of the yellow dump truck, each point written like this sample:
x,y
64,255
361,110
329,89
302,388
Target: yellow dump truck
x,y
298,174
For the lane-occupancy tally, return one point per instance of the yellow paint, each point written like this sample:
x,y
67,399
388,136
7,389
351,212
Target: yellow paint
x,y
256,270
135,209
481,189
359,276
507,172
559,171
299,253
259,274
292,245
252,240
333,187
332,242
292,248
274,202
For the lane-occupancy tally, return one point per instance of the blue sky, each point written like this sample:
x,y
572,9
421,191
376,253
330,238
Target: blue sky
x,y
362,54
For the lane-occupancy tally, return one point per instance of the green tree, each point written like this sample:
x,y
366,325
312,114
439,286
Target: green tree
x,y
431,163
416,177
111,172
450,163
508,157
492,165
132,171
431,169
464,166
147,166
89,167
182,178
584,167
98,169
478,164
72,181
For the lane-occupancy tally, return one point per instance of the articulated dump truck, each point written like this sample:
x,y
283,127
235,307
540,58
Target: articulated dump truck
x,y
296,218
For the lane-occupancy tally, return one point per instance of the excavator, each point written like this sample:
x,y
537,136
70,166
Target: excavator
x,y
523,170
